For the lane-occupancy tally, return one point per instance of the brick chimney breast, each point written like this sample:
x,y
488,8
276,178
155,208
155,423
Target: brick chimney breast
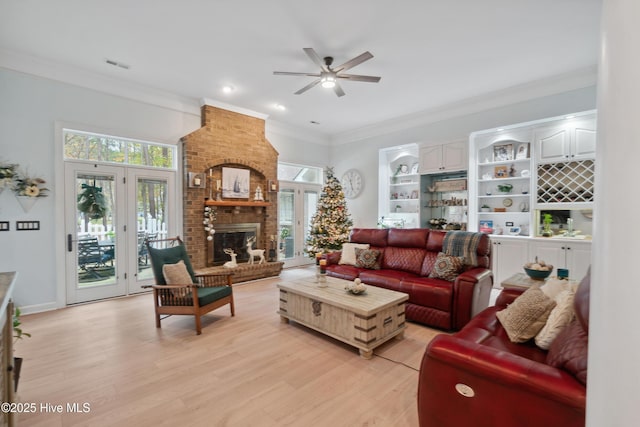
x,y
227,139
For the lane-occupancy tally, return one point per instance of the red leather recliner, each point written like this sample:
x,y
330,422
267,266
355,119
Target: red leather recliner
x,y
478,377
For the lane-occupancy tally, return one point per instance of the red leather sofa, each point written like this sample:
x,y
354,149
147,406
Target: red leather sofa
x,y
505,384
408,256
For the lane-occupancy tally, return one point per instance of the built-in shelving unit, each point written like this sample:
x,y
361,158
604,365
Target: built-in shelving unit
x,y
399,193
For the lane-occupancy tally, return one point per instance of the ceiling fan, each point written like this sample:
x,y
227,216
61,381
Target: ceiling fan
x,y
329,76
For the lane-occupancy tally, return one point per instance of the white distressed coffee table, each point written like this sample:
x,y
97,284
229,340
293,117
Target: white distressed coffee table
x,y
363,321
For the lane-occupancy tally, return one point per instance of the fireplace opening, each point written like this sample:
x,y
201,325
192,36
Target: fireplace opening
x,y
234,237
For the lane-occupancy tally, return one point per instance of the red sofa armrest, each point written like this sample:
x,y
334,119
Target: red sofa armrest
x,y
333,257
508,390
471,293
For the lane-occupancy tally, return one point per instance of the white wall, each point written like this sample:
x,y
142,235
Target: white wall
x,y
363,154
30,107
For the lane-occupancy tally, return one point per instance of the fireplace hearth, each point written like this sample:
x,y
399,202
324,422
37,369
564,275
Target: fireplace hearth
x,y
232,236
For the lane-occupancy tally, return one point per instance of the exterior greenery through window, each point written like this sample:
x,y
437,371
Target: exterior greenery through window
x,y
80,145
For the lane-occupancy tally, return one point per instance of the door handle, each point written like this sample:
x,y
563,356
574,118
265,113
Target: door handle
x,y
69,243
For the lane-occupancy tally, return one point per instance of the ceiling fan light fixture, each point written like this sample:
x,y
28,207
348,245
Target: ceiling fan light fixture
x,y
328,82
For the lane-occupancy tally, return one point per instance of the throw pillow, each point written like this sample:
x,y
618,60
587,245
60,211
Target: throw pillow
x,y
569,351
368,258
526,315
447,267
348,255
553,287
176,274
560,317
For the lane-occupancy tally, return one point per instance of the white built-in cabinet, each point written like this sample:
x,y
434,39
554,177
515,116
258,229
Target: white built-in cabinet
x,y
572,255
575,140
509,254
449,157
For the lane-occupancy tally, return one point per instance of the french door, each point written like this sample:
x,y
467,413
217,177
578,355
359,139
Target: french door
x,y
109,212
297,203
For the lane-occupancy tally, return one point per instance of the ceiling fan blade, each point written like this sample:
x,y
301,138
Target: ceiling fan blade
x,y
307,87
315,58
353,62
354,77
338,90
288,73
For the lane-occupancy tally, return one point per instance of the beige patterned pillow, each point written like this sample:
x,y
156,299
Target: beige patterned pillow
x,y
528,313
447,267
560,317
176,274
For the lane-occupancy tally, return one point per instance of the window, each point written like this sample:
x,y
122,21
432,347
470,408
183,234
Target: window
x,y
299,173
80,145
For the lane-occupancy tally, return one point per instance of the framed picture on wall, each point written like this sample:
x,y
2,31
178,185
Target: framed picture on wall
x,y
522,151
235,183
502,152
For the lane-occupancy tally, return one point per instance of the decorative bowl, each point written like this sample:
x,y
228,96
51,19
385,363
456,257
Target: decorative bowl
x,y
537,274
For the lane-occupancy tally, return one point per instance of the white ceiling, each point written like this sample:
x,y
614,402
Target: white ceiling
x,y
429,53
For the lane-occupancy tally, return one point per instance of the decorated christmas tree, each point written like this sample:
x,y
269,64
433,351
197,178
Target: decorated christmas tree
x,y
331,224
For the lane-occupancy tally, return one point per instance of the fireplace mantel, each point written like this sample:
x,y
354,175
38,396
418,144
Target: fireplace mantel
x,y
233,203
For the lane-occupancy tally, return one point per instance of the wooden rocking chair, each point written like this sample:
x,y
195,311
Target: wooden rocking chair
x,y
205,293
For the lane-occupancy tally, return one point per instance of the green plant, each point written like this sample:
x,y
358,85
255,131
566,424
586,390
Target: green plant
x,y
18,333
547,219
485,206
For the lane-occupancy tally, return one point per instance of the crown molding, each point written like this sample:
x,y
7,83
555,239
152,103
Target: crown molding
x,y
99,82
578,79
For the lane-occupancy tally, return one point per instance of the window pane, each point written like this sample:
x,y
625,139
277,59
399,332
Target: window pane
x,y
102,148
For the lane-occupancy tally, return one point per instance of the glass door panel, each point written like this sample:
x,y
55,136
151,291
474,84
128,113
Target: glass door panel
x,y
150,207
95,264
297,203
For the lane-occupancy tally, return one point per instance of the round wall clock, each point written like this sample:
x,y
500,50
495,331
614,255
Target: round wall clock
x,y
351,183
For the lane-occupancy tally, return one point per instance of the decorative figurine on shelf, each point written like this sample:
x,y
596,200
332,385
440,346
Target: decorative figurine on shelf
x,y
254,252
233,263
258,195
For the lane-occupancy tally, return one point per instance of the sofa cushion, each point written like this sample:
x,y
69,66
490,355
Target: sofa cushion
x,y
368,258
447,267
434,293
561,315
348,255
403,259
435,240
373,236
524,318
408,237
569,351
388,279
346,272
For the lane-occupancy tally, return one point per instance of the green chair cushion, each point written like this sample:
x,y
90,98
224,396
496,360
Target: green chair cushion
x,y
160,257
209,295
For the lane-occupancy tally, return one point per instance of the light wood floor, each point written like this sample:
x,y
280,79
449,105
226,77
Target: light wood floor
x,y
249,370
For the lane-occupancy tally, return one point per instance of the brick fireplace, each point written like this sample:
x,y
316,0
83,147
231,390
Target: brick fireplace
x,y
231,140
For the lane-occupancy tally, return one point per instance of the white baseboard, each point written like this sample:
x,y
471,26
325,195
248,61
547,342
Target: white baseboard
x,y
38,308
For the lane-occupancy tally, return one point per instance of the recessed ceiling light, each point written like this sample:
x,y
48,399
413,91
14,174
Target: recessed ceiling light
x,y
228,89
279,107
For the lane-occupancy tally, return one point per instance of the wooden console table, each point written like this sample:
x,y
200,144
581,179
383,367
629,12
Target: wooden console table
x,y
7,282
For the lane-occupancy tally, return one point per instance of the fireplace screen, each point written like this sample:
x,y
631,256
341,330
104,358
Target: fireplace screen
x,y
234,237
